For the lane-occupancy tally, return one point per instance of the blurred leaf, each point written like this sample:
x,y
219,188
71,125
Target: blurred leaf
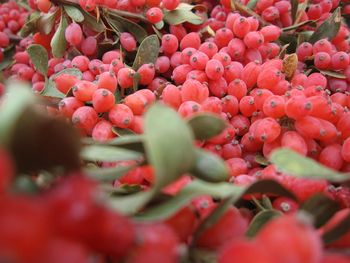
x,y
321,208
108,174
46,22
168,143
206,126
329,28
130,142
39,58
147,52
8,59
179,16
295,164
74,13
30,25
92,22
260,220
261,160
294,4
289,41
105,153
122,132
332,74
17,101
210,167
125,25
337,231
252,3
58,42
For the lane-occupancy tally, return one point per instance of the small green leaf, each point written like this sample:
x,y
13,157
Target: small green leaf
x,y
179,16
210,167
260,220
130,142
39,57
74,13
261,160
91,22
337,231
58,42
296,26
147,52
206,126
8,59
321,208
18,99
294,4
329,28
168,143
295,164
333,74
108,154
252,3
122,24
122,132
30,26
46,22
108,174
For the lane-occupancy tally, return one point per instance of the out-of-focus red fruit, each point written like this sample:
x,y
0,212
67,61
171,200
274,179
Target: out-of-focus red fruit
x,y
231,225
304,244
156,243
6,170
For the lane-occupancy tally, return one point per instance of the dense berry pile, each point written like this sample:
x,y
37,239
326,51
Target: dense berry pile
x,y
232,64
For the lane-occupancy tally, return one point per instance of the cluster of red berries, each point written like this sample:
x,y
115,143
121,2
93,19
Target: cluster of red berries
x,y
12,19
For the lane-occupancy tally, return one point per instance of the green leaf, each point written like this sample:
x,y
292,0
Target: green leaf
x,y
206,125
135,82
329,28
210,167
337,231
260,220
125,25
295,164
261,160
179,16
108,174
130,142
122,132
17,101
130,204
294,4
104,153
8,59
252,3
296,26
91,22
46,22
168,143
30,25
58,42
321,208
194,189
147,52
74,13
39,58
333,74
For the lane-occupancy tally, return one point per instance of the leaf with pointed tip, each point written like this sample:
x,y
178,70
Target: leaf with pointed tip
x,y
39,58
92,22
333,74
58,41
179,16
260,220
46,22
329,28
122,132
30,25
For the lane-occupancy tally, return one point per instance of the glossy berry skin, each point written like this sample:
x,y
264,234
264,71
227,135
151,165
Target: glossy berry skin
x,y
74,34
67,106
85,118
127,41
154,15
121,115
103,131
103,100
84,90
64,82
